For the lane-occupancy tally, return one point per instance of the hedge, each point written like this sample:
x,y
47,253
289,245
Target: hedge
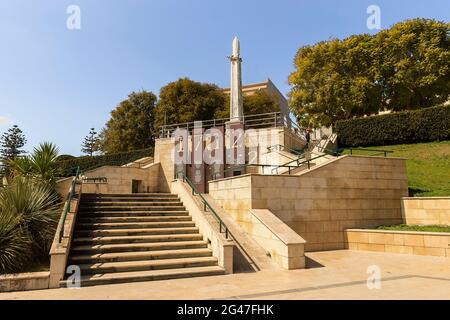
x,y
429,124
68,167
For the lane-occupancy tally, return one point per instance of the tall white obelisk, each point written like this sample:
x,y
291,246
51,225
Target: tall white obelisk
x,y
236,106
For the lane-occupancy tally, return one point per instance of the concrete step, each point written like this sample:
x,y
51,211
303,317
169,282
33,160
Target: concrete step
x,y
131,208
129,266
100,204
134,225
137,239
134,247
135,232
123,277
131,219
139,255
128,195
144,213
129,199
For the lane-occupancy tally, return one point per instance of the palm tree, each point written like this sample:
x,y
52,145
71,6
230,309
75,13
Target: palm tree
x,y
41,164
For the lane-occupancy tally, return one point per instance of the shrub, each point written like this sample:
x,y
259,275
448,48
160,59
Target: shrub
x,y
69,167
430,124
28,219
15,245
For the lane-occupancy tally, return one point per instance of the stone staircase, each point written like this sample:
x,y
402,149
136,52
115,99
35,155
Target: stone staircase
x,y
137,237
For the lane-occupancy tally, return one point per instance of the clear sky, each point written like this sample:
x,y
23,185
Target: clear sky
x,y
56,83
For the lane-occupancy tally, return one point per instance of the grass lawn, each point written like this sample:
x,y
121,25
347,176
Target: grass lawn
x,y
428,166
404,227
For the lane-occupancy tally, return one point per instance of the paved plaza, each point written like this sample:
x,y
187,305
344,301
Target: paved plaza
x,y
338,274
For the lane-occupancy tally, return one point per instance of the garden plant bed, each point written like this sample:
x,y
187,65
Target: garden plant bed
x,y
404,227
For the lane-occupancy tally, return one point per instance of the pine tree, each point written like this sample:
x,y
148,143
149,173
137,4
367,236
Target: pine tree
x,y
11,143
91,143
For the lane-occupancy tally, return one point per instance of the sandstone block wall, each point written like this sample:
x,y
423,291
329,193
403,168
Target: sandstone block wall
x,y
407,242
349,192
426,211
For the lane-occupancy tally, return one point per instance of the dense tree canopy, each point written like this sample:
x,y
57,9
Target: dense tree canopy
x,y
405,67
131,124
259,102
186,100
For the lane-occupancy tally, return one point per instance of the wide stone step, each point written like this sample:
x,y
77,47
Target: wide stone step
x,y
137,239
134,225
129,199
135,232
132,219
129,266
95,204
148,213
131,208
136,276
139,255
127,195
133,247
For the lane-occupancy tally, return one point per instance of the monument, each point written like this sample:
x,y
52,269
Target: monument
x,y
234,137
236,105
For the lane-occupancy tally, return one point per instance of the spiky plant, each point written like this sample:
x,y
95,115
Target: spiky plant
x,y
40,165
37,205
15,243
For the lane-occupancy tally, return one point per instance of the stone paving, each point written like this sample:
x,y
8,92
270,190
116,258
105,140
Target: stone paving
x,y
338,274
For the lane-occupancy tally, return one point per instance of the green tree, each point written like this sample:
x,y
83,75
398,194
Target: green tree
x,y
257,103
11,144
131,124
414,64
186,100
91,143
334,80
405,67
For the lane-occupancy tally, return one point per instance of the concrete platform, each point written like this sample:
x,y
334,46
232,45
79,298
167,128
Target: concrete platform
x,y
331,275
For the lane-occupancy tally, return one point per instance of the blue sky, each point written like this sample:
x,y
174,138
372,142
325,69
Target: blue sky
x,y
56,83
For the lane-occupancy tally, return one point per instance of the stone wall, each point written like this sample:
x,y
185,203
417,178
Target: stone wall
x,y
24,281
319,204
407,242
120,179
426,211
164,154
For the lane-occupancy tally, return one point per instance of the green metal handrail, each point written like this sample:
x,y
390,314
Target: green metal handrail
x,y
250,165
68,203
379,151
205,204
282,147
335,153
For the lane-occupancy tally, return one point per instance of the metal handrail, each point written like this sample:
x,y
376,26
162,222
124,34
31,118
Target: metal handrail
x,y
283,147
68,203
251,165
385,152
250,121
94,180
335,153
205,204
